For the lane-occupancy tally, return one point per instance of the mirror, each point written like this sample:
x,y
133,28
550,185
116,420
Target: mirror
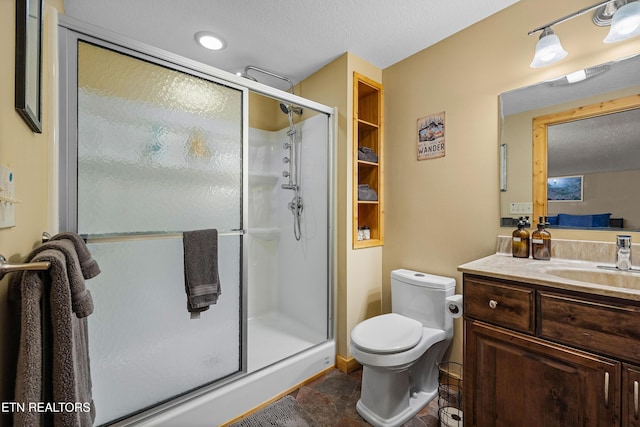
x,y
594,159
586,163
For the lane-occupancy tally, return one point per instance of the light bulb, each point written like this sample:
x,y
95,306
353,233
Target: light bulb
x,y
209,40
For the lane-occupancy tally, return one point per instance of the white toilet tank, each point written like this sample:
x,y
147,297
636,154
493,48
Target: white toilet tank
x,y
422,297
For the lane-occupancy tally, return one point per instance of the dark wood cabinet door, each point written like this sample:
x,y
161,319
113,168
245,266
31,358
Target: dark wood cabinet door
x,y
630,396
515,380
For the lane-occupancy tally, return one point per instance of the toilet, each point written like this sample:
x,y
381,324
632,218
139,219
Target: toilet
x,y
400,351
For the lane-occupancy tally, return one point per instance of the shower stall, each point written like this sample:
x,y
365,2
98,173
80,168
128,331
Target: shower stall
x,y
153,145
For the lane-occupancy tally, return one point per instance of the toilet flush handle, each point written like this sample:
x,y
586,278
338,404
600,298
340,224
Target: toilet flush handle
x,y
493,304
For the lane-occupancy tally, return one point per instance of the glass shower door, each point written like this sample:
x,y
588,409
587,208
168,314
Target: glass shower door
x,y
159,152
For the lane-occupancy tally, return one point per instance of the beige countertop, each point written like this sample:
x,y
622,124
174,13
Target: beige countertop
x,y
560,274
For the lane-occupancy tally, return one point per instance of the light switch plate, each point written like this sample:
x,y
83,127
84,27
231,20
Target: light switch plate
x,y
7,198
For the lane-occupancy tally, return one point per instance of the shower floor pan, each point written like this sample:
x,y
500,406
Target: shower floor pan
x,y
275,336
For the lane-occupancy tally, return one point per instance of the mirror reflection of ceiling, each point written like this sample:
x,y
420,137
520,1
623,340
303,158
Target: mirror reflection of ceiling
x,y
614,144
607,77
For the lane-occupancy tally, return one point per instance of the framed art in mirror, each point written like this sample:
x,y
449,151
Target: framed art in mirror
x,y
29,62
565,188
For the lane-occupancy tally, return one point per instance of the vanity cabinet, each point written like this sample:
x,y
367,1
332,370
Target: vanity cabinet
x,y
367,168
539,356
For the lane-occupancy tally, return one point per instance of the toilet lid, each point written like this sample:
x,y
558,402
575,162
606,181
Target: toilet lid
x,y
388,333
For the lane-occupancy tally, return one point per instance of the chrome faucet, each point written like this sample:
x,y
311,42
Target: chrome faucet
x,y
623,252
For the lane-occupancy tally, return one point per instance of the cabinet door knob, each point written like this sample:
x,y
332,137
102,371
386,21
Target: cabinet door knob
x,y
493,304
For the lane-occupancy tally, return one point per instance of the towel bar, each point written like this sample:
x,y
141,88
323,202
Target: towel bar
x,y
143,235
5,267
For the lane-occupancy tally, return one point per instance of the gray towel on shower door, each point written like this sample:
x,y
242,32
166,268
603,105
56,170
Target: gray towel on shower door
x,y
201,278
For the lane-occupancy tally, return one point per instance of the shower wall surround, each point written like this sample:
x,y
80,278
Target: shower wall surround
x,y
287,278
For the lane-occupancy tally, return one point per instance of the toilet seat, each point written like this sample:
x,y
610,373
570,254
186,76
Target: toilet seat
x,y
387,333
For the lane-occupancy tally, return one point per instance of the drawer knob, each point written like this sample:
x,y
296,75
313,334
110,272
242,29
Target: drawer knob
x,y
493,304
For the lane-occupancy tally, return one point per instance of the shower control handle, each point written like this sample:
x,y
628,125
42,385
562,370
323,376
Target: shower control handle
x,y
285,174
286,145
285,160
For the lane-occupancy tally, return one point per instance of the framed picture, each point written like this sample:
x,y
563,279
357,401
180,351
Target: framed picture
x,y
29,62
431,136
564,189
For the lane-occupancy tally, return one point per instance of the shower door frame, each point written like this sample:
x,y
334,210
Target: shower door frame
x,y
70,32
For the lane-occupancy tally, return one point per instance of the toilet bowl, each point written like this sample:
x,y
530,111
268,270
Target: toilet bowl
x,y
400,351
392,341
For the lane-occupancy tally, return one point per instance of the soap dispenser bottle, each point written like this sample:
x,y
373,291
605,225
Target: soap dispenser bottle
x,y
520,240
541,242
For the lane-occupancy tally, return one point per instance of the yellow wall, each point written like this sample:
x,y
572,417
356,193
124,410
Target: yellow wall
x,y
27,155
359,271
444,212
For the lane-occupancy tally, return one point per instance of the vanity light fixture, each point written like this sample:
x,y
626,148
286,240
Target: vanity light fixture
x,y
548,49
210,40
622,15
625,23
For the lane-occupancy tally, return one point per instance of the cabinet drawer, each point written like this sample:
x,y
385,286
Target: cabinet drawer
x,y
591,325
501,304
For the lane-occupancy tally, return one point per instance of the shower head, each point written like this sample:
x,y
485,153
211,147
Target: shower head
x,y
290,109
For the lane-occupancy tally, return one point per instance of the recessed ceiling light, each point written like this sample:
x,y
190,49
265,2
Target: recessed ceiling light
x,y
210,40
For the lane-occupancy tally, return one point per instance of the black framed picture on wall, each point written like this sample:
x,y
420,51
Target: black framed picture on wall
x,y
29,62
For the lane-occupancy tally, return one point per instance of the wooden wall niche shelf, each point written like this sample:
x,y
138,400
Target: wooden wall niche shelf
x,y
368,137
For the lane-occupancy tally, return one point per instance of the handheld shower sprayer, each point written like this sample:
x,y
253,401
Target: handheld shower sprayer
x,y
296,205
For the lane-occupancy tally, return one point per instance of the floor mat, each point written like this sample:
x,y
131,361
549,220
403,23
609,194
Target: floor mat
x,y
285,412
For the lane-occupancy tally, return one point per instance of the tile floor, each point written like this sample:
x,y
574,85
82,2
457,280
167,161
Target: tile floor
x,y
331,401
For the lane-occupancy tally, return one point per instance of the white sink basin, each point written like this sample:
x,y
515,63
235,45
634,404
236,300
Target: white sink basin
x,y
614,278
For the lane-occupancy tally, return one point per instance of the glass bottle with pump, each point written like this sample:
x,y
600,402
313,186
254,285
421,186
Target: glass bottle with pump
x,y
541,242
520,239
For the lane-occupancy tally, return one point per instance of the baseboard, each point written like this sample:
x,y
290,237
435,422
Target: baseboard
x,y
347,365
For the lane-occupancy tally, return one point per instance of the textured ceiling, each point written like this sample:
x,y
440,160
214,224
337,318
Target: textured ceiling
x,y
293,38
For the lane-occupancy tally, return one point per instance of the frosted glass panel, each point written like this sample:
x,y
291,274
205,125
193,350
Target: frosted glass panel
x,y
158,150
144,348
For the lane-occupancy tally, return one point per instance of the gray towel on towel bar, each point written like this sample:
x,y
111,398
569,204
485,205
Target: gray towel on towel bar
x,y
201,277
88,265
81,300
59,363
